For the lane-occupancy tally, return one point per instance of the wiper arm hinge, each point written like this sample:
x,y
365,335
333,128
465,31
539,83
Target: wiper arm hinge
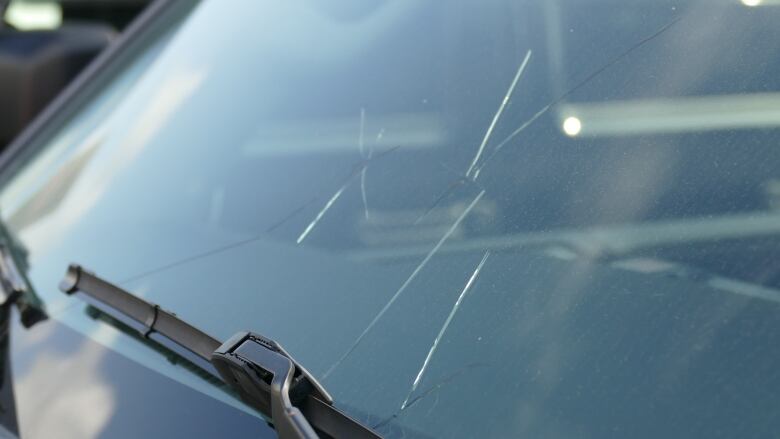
x,y
263,375
257,368
14,288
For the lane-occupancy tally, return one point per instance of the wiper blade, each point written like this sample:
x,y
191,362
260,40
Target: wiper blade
x,y
264,375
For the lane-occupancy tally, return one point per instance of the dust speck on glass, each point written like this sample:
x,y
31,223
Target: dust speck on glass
x,y
501,218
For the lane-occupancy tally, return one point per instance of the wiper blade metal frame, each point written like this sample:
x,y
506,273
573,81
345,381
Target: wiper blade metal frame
x,y
265,376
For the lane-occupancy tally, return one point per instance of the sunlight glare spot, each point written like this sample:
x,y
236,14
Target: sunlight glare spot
x,y
572,126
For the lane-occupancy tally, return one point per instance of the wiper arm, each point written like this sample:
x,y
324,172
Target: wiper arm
x,y
14,287
265,376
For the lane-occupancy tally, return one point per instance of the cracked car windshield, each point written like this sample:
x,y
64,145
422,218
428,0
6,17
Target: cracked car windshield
x,y
496,218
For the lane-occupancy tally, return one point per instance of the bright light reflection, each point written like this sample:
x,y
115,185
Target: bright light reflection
x,y
751,2
572,126
34,15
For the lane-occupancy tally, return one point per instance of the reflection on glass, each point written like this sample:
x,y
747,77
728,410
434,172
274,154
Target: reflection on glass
x,y
572,126
332,180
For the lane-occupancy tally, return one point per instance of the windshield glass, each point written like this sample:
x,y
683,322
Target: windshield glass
x,y
496,218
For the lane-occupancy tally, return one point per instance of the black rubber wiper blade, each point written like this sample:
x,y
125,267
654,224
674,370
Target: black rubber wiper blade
x,y
263,374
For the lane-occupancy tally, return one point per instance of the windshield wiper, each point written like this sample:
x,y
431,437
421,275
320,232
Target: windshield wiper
x,y
14,287
264,375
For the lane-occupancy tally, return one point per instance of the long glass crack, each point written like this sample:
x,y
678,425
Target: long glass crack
x,y
322,212
406,284
364,156
214,251
449,190
443,329
433,388
258,369
478,169
475,171
369,156
497,116
359,171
